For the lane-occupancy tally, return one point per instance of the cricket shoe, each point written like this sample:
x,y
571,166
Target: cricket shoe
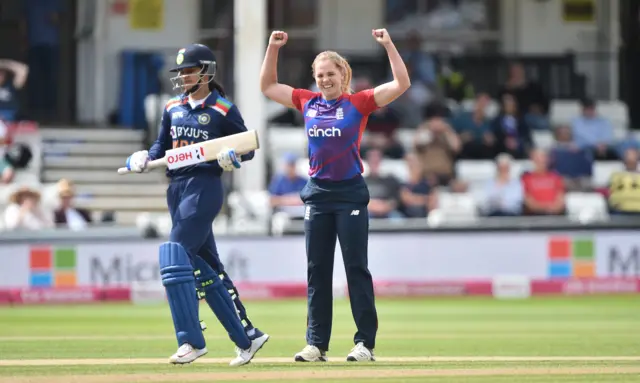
x,y
311,354
361,354
245,356
186,354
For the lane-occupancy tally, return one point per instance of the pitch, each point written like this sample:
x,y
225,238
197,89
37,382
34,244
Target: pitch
x,y
589,339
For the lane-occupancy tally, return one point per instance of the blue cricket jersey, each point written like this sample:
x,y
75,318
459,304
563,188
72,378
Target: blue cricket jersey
x,y
334,131
181,125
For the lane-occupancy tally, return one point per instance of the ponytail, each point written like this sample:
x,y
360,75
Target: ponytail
x,y
214,85
346,82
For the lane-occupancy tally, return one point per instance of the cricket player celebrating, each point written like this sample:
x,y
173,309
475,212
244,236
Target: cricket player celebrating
x,y
336,196
195,196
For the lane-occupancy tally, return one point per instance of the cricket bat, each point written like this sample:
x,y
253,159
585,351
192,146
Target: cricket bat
x,y
205,151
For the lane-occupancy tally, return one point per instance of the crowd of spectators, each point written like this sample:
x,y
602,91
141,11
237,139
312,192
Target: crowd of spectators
x,y
444,133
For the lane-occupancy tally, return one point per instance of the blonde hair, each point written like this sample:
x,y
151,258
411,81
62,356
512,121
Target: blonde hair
x,y
341,63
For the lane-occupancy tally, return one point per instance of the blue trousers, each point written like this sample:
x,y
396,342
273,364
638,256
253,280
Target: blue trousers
x,y
337,211
194,202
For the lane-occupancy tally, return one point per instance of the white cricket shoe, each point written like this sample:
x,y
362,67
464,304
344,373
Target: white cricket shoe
x,y
245,356
361,354
186,354
311,354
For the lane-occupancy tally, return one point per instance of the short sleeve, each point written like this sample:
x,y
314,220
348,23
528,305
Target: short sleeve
x,y
365,102
299,98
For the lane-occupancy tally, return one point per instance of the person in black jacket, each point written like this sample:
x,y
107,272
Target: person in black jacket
x,y
513,134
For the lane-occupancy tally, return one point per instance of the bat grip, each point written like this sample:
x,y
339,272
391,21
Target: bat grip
x,y
150,165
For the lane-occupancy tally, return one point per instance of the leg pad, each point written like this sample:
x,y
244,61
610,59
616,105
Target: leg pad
x,y
177,277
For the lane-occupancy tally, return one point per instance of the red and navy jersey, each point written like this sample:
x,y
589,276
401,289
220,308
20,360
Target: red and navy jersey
x,y
182,125
334,131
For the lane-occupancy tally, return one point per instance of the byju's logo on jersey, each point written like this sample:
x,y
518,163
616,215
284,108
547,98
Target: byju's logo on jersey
x,y
189,132
328,132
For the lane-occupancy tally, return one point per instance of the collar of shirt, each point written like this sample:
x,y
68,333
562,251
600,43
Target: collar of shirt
x,y
209,100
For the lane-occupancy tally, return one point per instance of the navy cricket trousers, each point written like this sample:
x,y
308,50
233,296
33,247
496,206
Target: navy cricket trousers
x,y
338,211
194,202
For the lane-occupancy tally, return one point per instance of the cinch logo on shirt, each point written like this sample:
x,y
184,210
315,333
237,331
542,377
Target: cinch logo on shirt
x,y
328,132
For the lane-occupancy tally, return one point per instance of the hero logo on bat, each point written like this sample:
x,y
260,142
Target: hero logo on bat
x,y
184,156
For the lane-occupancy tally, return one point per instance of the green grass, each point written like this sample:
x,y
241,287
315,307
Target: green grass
x,y
451,327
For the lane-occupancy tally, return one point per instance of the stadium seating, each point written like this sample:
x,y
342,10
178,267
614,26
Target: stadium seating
x,y
586,207
90,157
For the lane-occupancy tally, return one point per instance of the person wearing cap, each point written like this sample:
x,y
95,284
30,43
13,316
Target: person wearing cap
x,y
24,211
285,188
75,218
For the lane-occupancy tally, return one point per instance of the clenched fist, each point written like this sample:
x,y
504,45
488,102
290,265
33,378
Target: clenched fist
x,y
278,38
381,36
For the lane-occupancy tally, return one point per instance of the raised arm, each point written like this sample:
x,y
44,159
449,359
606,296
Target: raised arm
x,y
280,93
386,93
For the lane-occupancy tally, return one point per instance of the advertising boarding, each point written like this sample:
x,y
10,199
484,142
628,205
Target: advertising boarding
x,y
394,257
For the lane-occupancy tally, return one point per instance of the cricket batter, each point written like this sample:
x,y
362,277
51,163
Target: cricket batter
x,y
195,196
336,196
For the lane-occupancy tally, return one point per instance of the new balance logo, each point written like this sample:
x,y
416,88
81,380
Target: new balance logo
x,y
328,132
312,113
307,212
355,212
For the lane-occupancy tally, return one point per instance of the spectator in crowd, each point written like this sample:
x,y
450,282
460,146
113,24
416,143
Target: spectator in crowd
x,y
504,194
593,132
285,188
574,164
382,126
624,186
421,66
544,190
512,132
530,97
25,212
13,76
416,195
630,160
6,170
453,84
384,191
67,215
475,130
41,28
437,145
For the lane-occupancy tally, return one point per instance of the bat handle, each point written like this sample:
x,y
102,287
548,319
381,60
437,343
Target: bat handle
x,y
150,165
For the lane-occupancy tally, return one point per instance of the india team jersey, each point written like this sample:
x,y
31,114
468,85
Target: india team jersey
x,y
182,125
334,131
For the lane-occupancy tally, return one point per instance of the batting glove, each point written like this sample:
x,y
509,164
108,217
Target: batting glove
x,y
137,162
228,160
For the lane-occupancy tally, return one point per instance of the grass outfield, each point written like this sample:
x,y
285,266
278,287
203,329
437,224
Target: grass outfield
x,y
581,339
